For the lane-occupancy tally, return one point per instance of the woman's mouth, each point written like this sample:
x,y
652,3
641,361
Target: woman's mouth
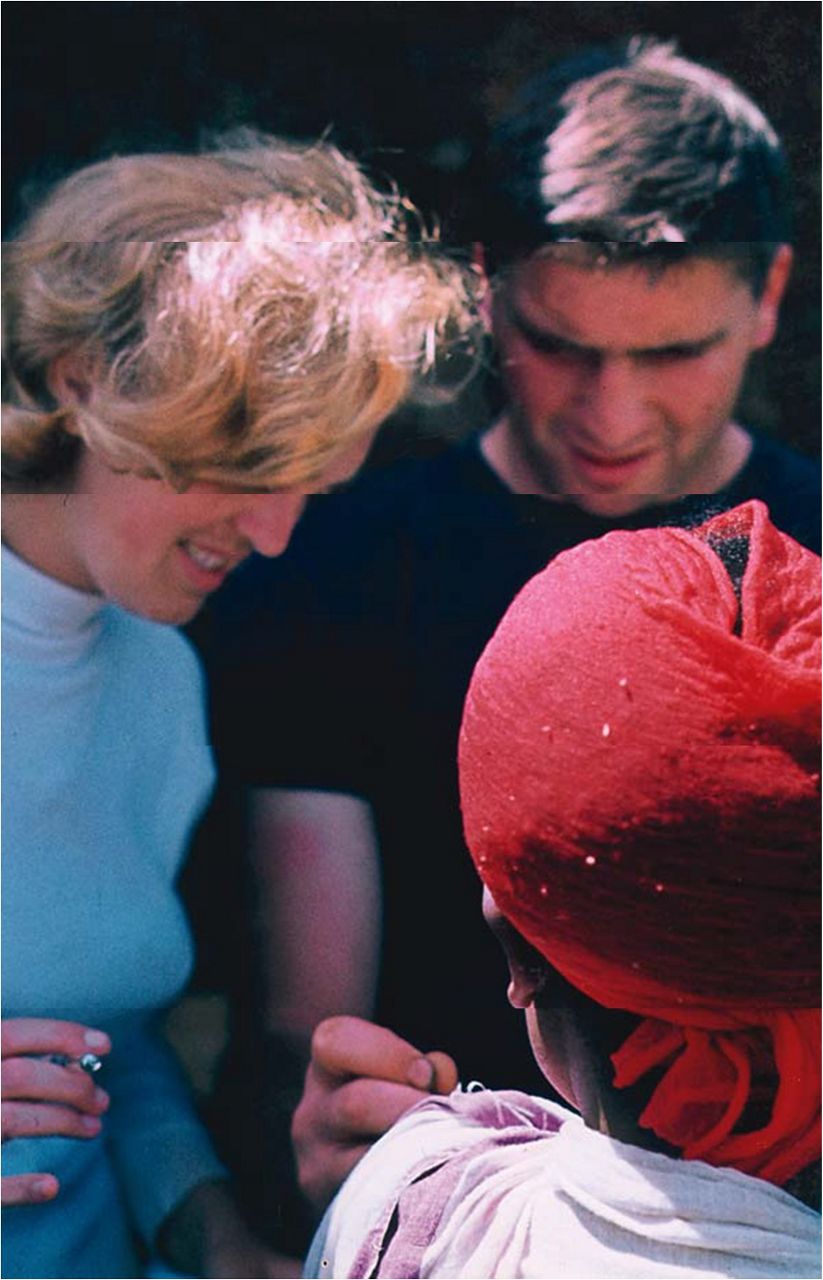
x,y
206,568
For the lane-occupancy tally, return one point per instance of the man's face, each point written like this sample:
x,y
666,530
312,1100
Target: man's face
x,y
622,384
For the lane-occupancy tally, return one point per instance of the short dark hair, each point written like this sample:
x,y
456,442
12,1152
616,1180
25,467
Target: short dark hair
x,y
643,153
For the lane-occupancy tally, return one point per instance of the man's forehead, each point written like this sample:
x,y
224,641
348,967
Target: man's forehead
x,y
603,306
606,261
655,259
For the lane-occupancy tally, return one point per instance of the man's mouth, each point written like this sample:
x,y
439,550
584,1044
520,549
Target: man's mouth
x,y
609,470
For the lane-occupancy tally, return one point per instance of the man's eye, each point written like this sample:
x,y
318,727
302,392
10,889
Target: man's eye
x,y
547,345
673,354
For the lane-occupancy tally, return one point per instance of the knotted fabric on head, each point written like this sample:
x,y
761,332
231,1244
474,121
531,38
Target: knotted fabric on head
x,y
639,762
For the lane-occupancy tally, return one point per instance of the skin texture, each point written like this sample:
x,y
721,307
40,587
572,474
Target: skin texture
x,y
39,1097
206,1236
361,1079
571,1037
311,909
131,539
621,384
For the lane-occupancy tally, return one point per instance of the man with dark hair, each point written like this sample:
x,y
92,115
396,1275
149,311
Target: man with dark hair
x,y
636,237
637,148
638,234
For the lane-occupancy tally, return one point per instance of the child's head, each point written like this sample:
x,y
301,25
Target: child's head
x,y
639,765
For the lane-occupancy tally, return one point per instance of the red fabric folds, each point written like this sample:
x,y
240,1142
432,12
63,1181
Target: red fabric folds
x,y
639,764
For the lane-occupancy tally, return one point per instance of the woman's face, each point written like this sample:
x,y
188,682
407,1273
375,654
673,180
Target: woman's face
x,y
159,553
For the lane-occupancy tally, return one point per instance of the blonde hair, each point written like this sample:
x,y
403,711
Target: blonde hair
x,y
241,316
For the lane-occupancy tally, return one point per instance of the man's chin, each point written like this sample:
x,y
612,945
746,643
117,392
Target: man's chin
x,y
613,506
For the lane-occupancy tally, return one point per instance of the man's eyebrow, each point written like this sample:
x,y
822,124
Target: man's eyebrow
x,y
693,345
541,335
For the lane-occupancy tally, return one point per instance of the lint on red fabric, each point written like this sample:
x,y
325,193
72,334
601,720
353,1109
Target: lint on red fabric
x,y
639,769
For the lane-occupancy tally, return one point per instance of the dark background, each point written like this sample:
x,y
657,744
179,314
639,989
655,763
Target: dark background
x,y
411,88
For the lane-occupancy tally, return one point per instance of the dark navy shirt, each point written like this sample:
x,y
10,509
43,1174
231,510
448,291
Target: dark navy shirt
x,y
343,665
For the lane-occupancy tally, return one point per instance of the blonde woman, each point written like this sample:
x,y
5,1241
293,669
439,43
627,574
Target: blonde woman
x,y
192,344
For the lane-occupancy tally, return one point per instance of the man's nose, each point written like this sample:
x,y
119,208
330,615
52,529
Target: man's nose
x,y
612,408
268,521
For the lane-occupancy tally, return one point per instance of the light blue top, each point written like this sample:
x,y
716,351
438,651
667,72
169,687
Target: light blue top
x,y
105,769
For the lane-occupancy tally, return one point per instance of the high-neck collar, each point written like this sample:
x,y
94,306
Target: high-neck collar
x,y
46,615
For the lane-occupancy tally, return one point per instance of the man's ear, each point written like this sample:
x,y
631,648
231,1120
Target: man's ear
x,y
69,380
768,308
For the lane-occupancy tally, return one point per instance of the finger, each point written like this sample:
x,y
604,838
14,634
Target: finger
x,y
39,1080
344,1047
32,1119
445,1072
321,1177
28,1188
366,1108
50,1035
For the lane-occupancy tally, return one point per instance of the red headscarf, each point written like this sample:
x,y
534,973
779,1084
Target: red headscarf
x,y
639,767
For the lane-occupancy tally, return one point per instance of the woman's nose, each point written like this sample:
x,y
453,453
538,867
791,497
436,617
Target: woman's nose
x,y
268,520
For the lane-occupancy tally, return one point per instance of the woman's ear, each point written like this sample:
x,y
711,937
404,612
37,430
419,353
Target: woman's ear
x,y
69,381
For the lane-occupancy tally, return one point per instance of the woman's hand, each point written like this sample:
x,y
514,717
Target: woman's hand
x,y
40,1098
206,1236
361,1079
